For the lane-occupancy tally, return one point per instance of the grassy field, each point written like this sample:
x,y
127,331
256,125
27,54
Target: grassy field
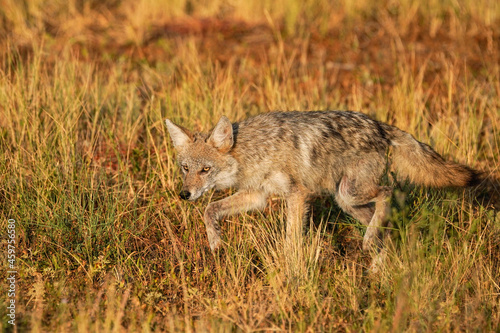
x,y
87,171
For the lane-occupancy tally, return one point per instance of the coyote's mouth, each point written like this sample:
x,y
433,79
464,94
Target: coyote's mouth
x,y
193,196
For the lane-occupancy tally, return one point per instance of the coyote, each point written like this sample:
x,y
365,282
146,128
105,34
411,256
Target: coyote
x,y
300,154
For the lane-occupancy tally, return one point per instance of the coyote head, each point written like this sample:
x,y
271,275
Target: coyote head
x,y
204,158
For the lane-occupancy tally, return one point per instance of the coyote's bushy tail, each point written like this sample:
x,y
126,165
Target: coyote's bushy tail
x,y
420,164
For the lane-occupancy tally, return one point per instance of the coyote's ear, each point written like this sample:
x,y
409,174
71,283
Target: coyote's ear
x,y
222,135
180,136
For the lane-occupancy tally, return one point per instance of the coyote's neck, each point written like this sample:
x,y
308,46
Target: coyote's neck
x,y
228,177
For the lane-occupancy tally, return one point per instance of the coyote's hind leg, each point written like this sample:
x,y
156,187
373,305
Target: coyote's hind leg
x,y
370,203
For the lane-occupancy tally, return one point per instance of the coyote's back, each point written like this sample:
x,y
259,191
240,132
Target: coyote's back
x,y
317,148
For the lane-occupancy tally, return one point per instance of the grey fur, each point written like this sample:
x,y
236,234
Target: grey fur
x,y
299,154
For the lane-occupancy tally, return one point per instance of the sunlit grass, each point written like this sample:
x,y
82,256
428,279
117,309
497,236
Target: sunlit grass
x,y
88,172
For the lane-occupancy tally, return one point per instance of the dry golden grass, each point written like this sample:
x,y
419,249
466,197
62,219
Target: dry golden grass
x,y
87,170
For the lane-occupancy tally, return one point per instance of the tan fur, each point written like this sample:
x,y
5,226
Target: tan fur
x,y
300,154
422,165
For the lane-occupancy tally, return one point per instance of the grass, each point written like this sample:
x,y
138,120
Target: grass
x,y
88,172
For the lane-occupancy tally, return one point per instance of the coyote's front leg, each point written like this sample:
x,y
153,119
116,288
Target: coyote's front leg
x,y
239,202
296,211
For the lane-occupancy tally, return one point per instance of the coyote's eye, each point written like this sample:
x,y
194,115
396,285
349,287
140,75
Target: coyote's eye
x,y
205,169
185,167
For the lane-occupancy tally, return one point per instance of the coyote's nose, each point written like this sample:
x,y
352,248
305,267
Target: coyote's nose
x,y
184,195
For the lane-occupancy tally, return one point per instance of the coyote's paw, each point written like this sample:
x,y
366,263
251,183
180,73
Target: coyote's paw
x,y
378,262
213,228
213,234
213,238
371,241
